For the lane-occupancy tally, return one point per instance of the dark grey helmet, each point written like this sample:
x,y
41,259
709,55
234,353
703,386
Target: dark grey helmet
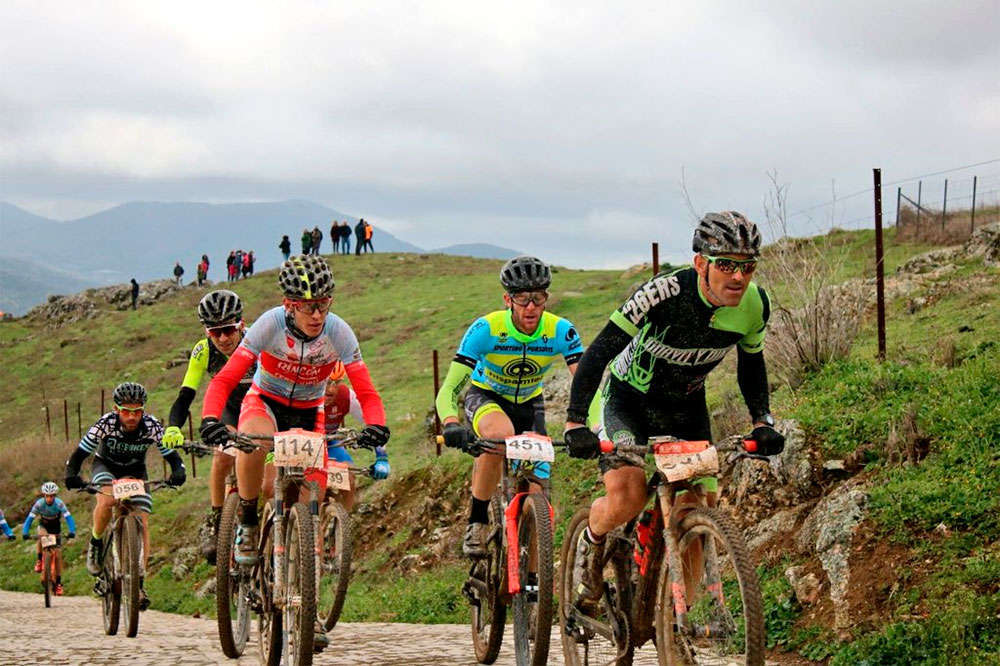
x,y
525,274
305,276
129,393
727,232
220,307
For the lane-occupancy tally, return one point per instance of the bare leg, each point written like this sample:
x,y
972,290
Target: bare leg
x,y
488,467
102,512
222,465
625,498
250,466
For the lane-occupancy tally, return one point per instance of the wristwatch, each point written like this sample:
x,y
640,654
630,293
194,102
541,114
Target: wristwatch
x,y
767,420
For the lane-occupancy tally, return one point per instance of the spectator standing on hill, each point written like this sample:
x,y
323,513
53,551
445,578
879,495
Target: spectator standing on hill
x,y
229,266
238,263
335,237
344,233
246,265
369,231
201,272
250,261
285,246
317,236
178,272
205,264
135,292
359,233
307,241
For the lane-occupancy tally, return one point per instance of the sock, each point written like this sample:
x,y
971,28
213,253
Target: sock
x,y
591,538
39,557
249,511
94,536
480,511
58,580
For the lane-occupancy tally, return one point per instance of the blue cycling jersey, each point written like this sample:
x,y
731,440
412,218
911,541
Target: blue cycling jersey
x,y
49,512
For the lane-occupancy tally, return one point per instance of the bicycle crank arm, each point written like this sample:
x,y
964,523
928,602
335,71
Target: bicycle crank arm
x,y
578,620
475,589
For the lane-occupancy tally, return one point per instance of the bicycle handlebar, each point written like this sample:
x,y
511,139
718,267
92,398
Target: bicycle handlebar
x,y
151,487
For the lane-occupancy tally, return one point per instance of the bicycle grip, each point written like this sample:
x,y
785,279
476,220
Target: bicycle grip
x,y
750,445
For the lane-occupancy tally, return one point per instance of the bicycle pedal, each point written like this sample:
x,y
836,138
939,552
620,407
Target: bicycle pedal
x,y
530,593
470,593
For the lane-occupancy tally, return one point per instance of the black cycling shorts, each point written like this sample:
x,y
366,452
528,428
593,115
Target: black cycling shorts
x,y
527,417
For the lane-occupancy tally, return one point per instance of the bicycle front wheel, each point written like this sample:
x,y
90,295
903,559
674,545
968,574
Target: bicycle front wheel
x,y
723,619
111,587
232,585
47,575
488,611
131,546
299,609
533,604
269,633
337,533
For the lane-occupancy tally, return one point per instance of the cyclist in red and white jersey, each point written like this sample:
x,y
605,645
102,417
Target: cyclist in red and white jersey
x,y
297,346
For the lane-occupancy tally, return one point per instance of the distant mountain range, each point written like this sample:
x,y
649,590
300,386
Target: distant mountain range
x,y
41,256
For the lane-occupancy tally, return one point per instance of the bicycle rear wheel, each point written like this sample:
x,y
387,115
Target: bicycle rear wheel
x,y
488,616
111,599
130,546
269,632
724,618
533,608
584,646
337,533
299,611
232,585
47,575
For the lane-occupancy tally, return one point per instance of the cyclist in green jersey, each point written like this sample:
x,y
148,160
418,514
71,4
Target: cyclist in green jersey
x,y
505,354
221,313
662,343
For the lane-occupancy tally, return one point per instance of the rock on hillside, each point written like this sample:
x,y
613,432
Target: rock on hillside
x,y
62,310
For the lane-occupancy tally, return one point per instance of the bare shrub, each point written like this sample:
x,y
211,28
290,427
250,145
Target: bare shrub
x,y
927,227
812,320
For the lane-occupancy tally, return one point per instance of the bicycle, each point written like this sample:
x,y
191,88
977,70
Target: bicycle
x,y
51,563
652,585
119,580
517,570
281,588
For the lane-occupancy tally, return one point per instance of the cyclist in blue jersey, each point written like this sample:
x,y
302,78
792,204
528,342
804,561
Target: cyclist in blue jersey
x,y
504,355
49,509
5,528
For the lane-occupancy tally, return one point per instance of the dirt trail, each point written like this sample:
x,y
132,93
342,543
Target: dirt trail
x,y
71,633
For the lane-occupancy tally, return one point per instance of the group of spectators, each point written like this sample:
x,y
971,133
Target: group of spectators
x,y
340,236
239,263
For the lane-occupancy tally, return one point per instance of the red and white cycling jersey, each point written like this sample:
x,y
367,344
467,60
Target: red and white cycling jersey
x,y
294,371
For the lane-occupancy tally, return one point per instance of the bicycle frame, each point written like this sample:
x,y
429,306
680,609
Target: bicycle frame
x,y
513,502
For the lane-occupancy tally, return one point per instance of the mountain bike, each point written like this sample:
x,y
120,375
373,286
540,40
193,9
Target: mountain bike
x,y
517,570
51,563
283,583
677,574
119,582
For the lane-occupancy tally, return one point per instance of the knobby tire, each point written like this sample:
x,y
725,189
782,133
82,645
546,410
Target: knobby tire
x,y
337,530
112,600
488,620
131,546
47,576
300,581
231,585
535,525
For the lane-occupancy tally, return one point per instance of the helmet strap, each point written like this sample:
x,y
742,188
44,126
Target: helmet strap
x,y
295,330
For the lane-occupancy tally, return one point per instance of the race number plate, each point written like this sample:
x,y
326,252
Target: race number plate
x,y
298,448
125,488
48,540
530,447
681,466
338,477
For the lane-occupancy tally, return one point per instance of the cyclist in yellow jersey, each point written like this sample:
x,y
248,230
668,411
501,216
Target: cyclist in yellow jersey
x,y
506,354
221,313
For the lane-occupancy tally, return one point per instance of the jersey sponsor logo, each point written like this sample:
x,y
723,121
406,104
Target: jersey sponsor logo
x,y
571,334
290,341
521,367
649,295
684,356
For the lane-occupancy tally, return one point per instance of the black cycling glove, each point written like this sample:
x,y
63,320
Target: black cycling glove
x,y
177,476
770,442
582,442
457,436
373,436
74,482
214,432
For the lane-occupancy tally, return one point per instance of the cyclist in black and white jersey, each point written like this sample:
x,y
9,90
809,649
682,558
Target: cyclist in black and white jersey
x,y
118,442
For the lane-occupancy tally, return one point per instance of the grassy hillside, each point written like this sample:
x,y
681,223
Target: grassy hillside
x,y
943,365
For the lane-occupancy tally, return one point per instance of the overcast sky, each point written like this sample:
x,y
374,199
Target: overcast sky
x,y
557,128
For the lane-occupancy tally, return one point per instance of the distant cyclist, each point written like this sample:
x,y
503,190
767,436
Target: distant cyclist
x,y
661,344
118,442
5,528
505,354
221,313
49,510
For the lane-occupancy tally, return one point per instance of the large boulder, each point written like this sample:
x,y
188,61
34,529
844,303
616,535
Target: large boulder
x,y
787,478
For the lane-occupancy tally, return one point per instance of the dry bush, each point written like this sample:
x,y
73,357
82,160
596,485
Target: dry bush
x,y
812,321
26,464
927,228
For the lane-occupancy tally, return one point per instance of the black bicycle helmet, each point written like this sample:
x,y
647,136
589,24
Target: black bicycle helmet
x,y
727,232
220,307
525,274
305,277
129,393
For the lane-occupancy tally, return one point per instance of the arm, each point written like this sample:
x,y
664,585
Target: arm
x,y
371,404
27,521
587,377
70,523
5,527
446,400
751,373
225,381
355,407
197,365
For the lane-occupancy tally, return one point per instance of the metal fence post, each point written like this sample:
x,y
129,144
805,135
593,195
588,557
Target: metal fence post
x,y
102,404
944,204
879,279
656,258
48,421
79,421
66,418
972,224
920,187
437,419
899,199
194,466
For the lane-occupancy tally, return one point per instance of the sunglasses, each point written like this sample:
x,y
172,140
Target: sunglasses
x,y
130,410
321,306
726,265
219,331
525,297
